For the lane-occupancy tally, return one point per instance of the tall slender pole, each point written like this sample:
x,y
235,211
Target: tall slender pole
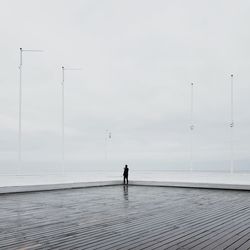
x,y
191,125
20,108
62,119
20,102
232,126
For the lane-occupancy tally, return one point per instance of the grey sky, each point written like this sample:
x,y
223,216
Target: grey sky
x,y
139,58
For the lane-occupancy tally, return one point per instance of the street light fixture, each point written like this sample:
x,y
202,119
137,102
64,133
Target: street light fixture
x,y
232,126
20,100
191,125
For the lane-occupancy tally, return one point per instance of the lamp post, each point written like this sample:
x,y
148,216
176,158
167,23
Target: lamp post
x,y
191,125
232,126
20,101
63,97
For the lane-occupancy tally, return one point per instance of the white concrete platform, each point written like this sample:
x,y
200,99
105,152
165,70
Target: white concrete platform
x,y
26,183
191,185
51,187
99,176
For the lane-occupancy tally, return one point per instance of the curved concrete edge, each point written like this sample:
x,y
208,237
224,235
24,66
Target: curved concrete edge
x,y
51,187
191,185
61,186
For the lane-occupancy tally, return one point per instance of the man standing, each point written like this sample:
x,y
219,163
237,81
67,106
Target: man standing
x,y
125,174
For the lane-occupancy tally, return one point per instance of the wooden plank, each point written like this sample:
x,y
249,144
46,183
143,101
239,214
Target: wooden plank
x,y
131,218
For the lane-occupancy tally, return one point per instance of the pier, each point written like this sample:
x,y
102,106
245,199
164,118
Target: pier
x,y
126,217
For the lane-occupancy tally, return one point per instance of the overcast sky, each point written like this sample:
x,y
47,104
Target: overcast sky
x,y
138,59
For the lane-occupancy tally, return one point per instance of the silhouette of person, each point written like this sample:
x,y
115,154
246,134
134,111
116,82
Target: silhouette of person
x,y
125,174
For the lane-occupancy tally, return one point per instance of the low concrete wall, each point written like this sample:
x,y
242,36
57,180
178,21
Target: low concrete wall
x,y
191,185
50,187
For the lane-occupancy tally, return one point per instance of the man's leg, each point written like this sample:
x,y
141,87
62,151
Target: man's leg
x,y
124,180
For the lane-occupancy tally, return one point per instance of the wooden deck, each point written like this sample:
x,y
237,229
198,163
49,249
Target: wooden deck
x,y
133,217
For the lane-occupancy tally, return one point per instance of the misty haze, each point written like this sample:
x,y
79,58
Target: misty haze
x,y
138,60
124,124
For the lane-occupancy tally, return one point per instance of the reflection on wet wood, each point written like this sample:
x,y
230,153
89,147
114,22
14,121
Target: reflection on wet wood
x,y
130,217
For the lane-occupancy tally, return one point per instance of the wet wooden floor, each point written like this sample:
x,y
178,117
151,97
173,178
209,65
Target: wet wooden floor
x,y
126,218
